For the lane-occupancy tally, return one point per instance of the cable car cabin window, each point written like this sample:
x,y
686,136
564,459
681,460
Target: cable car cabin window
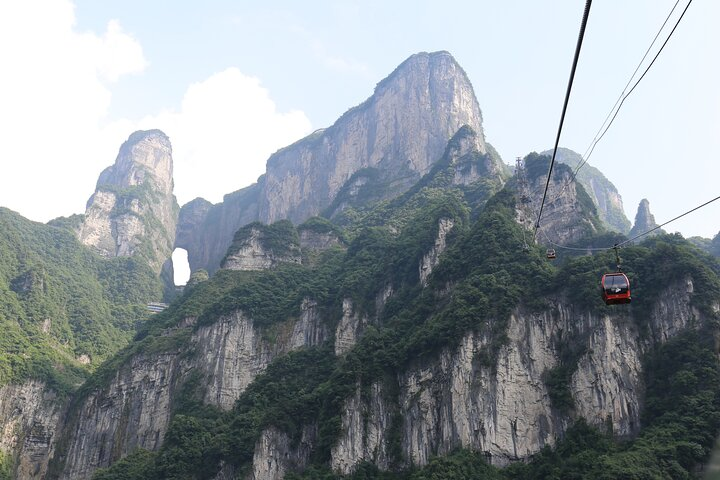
x,y
615,284
615,288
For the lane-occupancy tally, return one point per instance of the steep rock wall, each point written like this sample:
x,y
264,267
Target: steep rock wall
x,y
400,131
504,410
134,409
133,210
29,414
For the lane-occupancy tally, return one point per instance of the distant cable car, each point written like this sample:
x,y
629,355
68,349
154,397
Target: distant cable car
x,y
551,254
615,288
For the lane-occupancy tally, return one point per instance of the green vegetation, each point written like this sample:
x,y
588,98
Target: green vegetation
x,y
5,466
58,301
280,238
483,276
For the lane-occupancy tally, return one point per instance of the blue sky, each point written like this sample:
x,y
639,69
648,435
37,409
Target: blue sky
x,y
232,81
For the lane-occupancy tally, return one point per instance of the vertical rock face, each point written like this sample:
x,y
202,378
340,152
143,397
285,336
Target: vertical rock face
x,y
644,220
504,410
260,247
568,215
601,190
133,410
349,329
364,424
275,454
133,210
397,133
207,233
401,130
29,414
432,258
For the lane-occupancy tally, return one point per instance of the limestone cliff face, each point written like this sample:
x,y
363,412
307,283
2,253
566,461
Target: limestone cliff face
x,y
29,414
432,257
401,130
601,190
644,220
568,214
260,247
133,409
505,410
133,210
397,133
207,232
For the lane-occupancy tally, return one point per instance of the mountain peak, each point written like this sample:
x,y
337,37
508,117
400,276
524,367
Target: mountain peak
x,y
133,208
146,156
644,220
401,131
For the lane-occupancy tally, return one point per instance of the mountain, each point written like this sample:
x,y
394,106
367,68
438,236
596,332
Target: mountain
x,y
63,310
601,190
644,221
381,147
133,211
569,214
715,245
404,333
429,330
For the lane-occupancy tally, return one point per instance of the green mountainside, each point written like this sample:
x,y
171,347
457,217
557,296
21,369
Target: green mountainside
x,y
482,277
63,309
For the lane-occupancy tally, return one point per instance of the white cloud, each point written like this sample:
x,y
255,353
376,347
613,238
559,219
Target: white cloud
x,y
225,131
54,94
56,90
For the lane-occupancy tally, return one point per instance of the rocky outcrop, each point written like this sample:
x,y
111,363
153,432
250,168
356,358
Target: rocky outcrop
x,y
275,454
601,190
432,257
365,422
29,414
568,214
133,409
207,234
397,134
401,130
260,247
350,328
504,410
644,221
468,158
133,210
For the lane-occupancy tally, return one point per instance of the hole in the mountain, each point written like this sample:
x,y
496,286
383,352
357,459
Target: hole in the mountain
x,y
181,267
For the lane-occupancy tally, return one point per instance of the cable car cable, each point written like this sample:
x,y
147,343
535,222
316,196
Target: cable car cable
x,y
639,79
621,98
585,155
660,226
581,35
624,242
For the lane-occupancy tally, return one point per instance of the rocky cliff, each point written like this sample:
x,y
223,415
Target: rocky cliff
x,y
568,215
390,141
601,190
452,400
133,410
259,247
505,410
29,415
133,210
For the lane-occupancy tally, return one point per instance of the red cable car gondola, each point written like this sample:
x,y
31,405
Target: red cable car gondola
x,y
615,288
